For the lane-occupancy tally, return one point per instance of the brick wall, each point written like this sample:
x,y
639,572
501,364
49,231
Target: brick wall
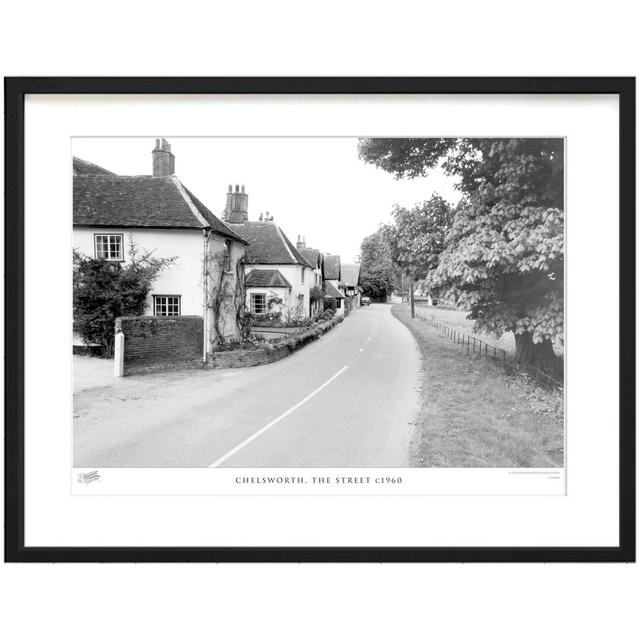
x,y
156,343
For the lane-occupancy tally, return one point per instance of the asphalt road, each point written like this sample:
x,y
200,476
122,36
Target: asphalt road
x,y
346,400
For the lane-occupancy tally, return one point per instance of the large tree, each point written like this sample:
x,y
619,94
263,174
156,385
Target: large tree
x,y
376,267
417,236
504,254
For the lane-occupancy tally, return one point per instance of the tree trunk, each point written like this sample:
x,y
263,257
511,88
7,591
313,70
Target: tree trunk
x,y
411,300
537,354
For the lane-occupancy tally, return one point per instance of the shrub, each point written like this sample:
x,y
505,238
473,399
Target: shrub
x,y
269,319
234,344
324,316
104,290
330,304
316,293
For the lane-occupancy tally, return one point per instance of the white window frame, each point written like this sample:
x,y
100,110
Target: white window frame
x,y
162,301
252,306
109,256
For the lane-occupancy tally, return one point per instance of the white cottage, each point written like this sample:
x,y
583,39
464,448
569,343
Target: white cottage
x,y
277,277
333,281
315,259
158,213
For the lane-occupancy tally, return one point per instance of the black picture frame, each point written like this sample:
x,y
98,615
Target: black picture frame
x,y
15,91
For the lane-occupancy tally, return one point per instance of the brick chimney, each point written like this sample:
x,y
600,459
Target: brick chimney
x,y
301,244
237,208
163,159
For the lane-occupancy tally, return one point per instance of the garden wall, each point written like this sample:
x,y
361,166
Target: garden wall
x,y
270,352
165,343
154,343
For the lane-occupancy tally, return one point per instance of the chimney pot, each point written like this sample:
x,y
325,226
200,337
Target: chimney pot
x,y
237,209
163,159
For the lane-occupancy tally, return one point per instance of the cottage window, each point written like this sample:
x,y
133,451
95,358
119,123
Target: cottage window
x,y
302,275
227,255
166,305
109,246
339,303
258,303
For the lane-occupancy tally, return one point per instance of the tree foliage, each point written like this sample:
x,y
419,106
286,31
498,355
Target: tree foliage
x,y
316,293
417,236
104,290
376,266
503,258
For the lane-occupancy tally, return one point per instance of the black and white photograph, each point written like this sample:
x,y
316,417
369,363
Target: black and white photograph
x,y
363,316
318,302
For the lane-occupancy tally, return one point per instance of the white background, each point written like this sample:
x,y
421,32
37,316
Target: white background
x,y
351,601
587,516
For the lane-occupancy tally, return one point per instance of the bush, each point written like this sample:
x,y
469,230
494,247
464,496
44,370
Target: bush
x,y
324,316
270,319
316,293
103,291
235,344
330,304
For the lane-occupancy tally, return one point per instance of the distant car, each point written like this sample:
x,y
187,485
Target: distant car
x,y
365,301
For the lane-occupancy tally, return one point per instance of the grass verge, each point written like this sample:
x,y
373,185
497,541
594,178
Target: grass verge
x,y
473,414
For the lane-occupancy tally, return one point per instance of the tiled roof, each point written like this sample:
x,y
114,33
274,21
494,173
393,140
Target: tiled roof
x,y
332,267
85,168
350,274
266,278
267,244
296,254
215,223
312,256
331,292
140,201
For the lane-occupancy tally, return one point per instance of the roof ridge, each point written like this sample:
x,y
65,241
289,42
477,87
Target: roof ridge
x,y
286,244
181,190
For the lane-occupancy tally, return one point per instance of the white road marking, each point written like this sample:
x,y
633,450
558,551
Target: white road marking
x,y
258,433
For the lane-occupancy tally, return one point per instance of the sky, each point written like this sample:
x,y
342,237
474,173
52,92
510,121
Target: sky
x,y
314,187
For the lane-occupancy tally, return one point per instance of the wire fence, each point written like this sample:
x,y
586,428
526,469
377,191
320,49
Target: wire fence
x,y
476,347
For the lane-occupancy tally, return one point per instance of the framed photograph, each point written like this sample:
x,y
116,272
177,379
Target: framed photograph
x,y
320,319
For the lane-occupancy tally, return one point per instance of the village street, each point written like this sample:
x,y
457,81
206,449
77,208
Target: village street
x,y
346,400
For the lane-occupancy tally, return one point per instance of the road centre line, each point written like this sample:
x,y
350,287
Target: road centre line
x,y
282,416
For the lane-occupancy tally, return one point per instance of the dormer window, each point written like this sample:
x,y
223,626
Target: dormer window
x,y
109,246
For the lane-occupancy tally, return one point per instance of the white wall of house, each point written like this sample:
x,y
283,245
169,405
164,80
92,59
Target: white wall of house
x,y
338,285
184,277
272,295
228,326
297,298
316,282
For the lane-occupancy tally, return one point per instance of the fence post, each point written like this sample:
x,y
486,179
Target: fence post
x,y
118,355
